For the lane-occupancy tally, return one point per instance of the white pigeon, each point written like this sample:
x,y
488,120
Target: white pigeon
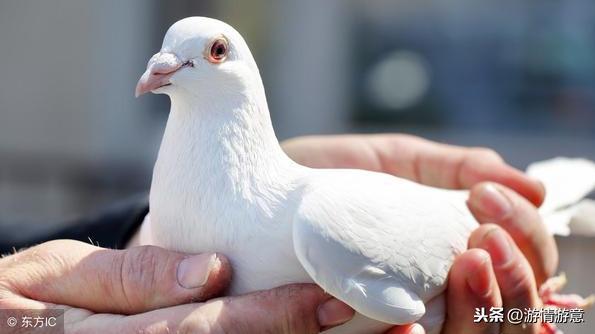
x,y
382,244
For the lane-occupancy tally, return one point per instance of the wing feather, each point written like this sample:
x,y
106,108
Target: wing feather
x,y
381,244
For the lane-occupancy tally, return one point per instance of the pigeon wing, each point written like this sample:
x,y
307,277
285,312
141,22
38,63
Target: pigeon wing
x,y
381,244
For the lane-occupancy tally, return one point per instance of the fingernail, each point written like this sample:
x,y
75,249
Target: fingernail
x,y
334,312
480,279
492,203
416,329
499,247
193,272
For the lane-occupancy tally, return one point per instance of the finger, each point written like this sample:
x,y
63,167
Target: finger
x,y
297,308
407,329
449,166
513,273
413,158
492,203
340,151
116,281
472,284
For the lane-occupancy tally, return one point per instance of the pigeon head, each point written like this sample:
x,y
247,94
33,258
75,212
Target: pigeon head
x,y
199,57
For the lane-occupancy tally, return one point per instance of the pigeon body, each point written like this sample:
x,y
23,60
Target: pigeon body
x,y
222,183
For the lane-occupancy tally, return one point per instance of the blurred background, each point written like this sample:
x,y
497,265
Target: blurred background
x,y
516,76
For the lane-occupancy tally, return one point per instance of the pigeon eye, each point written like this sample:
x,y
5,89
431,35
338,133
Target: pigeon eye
x,y
218,51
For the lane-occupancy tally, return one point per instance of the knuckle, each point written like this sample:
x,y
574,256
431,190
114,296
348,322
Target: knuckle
x,y
520,288
137,276
141,268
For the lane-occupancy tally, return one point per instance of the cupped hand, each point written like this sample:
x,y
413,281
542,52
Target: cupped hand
x,y
151,290
510,254
501,268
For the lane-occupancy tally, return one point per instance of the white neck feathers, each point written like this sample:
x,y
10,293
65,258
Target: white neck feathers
x,y
222,141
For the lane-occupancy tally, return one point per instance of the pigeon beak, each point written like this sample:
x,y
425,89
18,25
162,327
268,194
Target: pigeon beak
x,y
161,68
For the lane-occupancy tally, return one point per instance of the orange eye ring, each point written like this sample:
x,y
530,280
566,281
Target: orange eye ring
x,y
218,51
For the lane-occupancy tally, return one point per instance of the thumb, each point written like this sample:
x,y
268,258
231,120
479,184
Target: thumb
x,y
114,281
295,308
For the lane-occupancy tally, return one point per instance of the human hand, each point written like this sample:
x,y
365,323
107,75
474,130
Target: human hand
x,y
413,158
499,269
137,290
533,254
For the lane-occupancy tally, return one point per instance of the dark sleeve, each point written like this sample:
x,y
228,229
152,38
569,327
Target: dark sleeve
x,y
111,228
